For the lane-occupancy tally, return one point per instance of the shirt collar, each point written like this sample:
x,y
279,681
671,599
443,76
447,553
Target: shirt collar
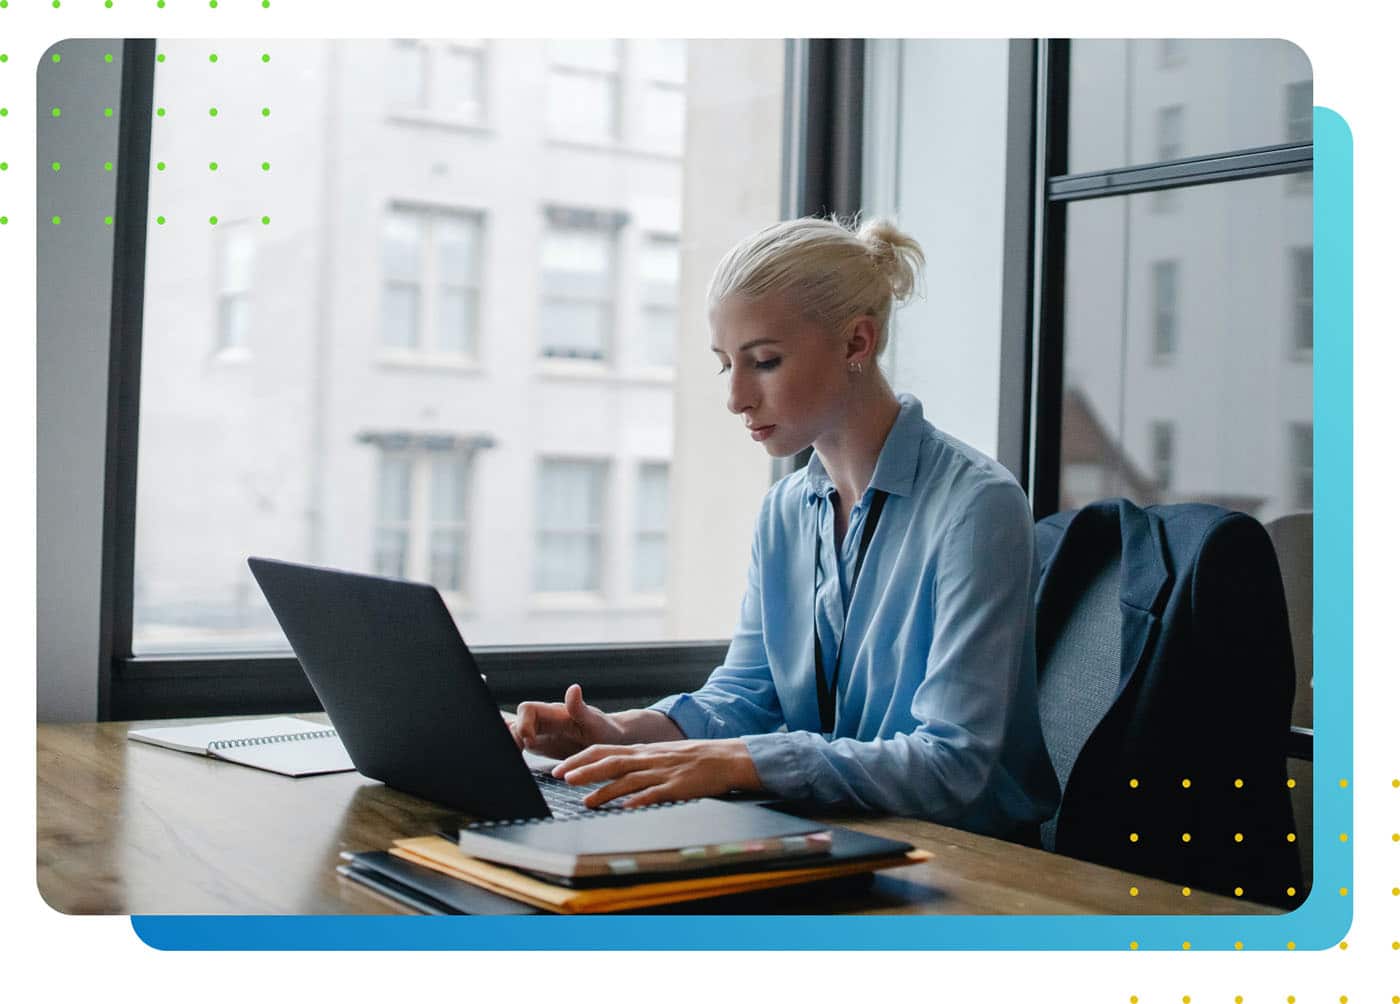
x,y
898,461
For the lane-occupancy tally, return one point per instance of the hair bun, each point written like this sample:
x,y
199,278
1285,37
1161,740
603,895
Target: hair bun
x,y
895,253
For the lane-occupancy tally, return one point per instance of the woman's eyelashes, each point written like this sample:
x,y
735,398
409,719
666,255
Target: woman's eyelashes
x,y
758,364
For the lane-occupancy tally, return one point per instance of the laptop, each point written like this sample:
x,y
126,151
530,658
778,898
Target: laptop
x,y
388,664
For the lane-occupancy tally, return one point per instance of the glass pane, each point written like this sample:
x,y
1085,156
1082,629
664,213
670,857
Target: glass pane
x,y
230,468
1128,105
1197,342
456,321
399,323
449,492
570,495
391,553
395,489
651,498
660,268
574,329
406,74
1302,298
567,563
583,107
650,571
659,328
585,53
403,242
459,90
459,253
660,58
446,551
663,118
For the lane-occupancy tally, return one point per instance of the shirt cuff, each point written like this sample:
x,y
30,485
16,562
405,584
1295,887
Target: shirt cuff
x,y
693,719
778,763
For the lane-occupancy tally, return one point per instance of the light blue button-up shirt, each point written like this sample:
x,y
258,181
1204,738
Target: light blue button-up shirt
x,y
936,713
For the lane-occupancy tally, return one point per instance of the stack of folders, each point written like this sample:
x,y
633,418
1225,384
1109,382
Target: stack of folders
x,y
613,861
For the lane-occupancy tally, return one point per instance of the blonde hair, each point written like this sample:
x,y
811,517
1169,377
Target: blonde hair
x,y
832,270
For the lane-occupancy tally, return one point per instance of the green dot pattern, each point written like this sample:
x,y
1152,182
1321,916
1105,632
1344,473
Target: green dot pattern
x,y
107,113
213,112
213,220
160,165
107,220
213,165
266,166
107,4
160,113
57,220
160,220
160,58
266,220
266,112
213,57
57,112
4,220
56,167
107,166
266,58
4,112
106,57
57,57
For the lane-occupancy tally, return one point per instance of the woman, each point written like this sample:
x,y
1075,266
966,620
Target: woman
x,y
890,670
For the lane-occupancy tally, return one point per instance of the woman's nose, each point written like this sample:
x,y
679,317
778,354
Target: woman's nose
x,y
738,393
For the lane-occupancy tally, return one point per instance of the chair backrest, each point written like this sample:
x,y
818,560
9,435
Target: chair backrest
x,y
1079,675
1292,537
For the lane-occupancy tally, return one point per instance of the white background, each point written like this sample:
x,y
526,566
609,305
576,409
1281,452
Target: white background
x,y
64,958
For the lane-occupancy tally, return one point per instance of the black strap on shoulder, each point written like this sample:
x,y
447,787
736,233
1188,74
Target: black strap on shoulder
x,y
826,692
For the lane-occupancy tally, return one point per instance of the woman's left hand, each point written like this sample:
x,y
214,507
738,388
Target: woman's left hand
x,y
661,772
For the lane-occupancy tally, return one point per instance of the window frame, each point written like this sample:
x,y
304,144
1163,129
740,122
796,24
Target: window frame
x,y
428,349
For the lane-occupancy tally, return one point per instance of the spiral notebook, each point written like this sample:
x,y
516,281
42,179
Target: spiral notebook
x,y
289,746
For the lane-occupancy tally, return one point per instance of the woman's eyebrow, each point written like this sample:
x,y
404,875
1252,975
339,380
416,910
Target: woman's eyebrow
x,y
749,345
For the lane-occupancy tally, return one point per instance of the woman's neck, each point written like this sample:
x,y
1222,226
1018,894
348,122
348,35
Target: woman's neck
x,y
850,451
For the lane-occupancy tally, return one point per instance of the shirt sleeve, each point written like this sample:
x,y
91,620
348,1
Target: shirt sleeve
x,y
982,570
739,697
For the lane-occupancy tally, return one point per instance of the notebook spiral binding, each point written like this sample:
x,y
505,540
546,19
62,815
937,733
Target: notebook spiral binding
x,y
285,737
486,824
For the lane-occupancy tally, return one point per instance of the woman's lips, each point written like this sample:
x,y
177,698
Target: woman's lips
x,y
761,432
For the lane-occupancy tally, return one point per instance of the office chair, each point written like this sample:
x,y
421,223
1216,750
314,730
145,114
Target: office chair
x,y
1165,684
1292,538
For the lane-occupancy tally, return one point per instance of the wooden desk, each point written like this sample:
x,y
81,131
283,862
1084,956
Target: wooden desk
x,y
129,828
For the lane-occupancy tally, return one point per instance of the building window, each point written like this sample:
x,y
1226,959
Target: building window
x,y
577,284
1301,266
584,89
1165,293
432,281
1170,144
1163,454
569,521
649,575
235,288
660,283
1298,112
1300,442
446,79
661,66
421,517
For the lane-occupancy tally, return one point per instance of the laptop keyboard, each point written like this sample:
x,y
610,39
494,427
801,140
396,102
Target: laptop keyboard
x,y
565,800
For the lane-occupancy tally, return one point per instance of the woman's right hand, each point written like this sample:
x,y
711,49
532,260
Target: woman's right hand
x,y
561,730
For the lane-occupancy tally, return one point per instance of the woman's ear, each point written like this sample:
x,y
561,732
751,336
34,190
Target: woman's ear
x,y
862,340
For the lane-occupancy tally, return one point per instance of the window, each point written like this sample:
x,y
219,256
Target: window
x,y
584,91
569,519
577,284
421,518
1163,453
1206,427
660,274
432,281
1301,283
662,68
446,80
1164,309
1300,445
235,288
649,574
1298,112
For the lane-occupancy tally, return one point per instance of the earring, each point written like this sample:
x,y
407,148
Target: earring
x,y
856,368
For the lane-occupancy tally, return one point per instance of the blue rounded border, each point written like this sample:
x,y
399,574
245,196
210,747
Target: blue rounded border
x,y
1319,923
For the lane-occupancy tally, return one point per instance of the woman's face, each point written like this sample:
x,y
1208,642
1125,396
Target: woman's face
x,y
787,374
